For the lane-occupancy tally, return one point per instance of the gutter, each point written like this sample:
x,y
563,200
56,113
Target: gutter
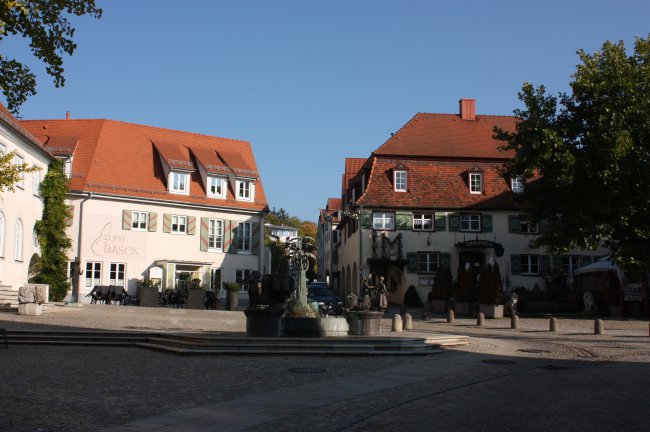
x,y
77,267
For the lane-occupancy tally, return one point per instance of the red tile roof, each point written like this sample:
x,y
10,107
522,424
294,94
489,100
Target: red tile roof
x,y
448,136
8,118
334,204
119,158
437,184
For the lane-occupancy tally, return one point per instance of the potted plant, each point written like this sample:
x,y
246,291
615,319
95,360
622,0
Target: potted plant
x,y
196,295
465,291
491,291
440,290
232,295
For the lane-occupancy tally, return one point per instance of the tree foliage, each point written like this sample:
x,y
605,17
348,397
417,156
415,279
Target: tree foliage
x,y
10,172
51,232
585,155
44,23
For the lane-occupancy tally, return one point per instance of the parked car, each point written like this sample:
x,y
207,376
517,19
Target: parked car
x,y
328,303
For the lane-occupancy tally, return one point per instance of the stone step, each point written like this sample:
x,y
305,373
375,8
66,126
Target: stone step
x,y
189,344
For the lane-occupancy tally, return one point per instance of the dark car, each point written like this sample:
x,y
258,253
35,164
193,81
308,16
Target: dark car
x,y
328,303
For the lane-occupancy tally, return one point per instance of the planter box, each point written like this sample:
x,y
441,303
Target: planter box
x,y
462,308
491,311
263,322
148,296
438,306
232,300
195,299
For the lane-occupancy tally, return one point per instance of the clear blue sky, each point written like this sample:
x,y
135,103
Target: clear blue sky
x,y
310,83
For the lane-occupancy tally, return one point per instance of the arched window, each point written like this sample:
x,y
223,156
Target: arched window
x,y
18,246
2,234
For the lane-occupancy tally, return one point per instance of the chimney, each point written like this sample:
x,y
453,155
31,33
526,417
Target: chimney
x,y
468,109
67,115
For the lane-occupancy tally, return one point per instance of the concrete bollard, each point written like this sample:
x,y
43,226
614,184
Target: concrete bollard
x,y
408,321
599,327
451,316
514,322
397,323
480,320
553,325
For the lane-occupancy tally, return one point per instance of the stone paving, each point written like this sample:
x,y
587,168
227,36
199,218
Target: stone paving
x,y
127,389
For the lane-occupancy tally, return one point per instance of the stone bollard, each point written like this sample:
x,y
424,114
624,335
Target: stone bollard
x,y
480,321
514,322
397,323
408,321
599,327
553,325
451,316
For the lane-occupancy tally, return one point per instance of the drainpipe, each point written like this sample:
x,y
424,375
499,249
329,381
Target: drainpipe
x,y
77,267
360,250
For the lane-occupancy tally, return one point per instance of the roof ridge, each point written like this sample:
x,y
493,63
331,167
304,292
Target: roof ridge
x,y
138,125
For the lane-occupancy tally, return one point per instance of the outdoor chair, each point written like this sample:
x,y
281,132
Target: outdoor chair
x,y
105,294
95,294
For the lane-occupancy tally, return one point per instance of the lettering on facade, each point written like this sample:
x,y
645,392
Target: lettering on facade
x,y
109,244
481,244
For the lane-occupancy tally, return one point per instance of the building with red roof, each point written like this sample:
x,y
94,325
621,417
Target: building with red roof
x,y
154,203
328,242
20,208
432,196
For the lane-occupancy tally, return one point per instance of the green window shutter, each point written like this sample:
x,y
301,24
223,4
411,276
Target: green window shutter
x,y
207,276
515,264
545,264
514,224
171,276
365,219
69,215
167,222
404,220
445,261
191,225
440,222
203,241
153,221
556,263
255,230
486,223
585,260
411,262
127,218
454,222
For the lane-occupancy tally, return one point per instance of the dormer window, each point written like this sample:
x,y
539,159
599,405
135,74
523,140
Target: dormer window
x,y
517,185
475,183
179,183
217,187
245,190
400,181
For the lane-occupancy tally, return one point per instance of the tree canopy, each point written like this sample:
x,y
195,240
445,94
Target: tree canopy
x,y
584,155
45,24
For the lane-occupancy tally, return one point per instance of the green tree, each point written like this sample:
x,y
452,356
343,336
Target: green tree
x,y
51,232
45,24
10,172
584,156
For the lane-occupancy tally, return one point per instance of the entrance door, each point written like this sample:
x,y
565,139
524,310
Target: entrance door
x,y
475,259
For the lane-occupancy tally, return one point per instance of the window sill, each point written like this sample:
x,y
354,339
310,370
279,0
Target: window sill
x,y
215,250
243,252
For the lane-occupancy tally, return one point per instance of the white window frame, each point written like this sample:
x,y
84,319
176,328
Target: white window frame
x,y
69,268
94,270
240,275
431,261
471,222
19,161
18,241
178,222
475,183
36,183
400,180
217,183
114,272
383,221
215,234
139,220
420,221
517,185
245,237
2,234
529,263
526,227
245,190
35,237
179,182
67,168
426,281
